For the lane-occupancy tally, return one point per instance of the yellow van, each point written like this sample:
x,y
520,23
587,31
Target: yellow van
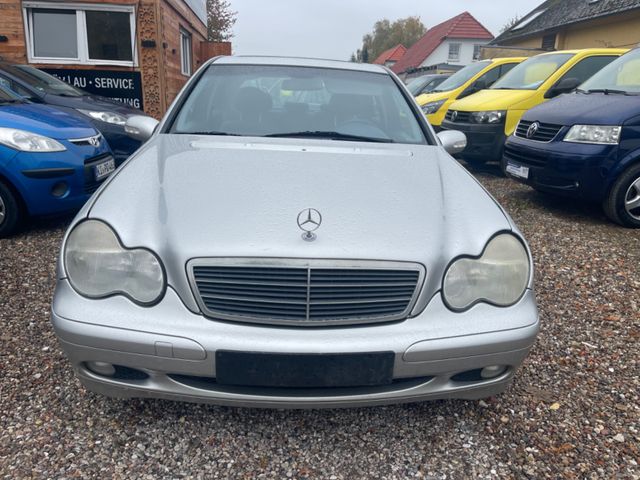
x,y
470,79
490,116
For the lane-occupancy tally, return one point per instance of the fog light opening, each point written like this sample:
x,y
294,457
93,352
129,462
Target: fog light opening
x,y
493,371
102,368
60,189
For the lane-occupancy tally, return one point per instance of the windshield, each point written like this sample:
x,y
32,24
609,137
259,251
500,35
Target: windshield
x,y
285,101
462,76
623,74
42,81
532,73
8,96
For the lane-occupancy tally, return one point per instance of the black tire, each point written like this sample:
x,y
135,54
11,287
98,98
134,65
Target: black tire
x,y
10,212
621,191
475,161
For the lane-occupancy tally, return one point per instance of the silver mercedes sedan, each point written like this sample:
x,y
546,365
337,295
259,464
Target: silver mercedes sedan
x,y
294,234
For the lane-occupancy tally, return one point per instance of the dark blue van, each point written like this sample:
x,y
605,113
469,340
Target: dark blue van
x,y
586,144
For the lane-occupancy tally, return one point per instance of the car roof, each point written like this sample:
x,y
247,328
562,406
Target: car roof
x,y
587,51
299,62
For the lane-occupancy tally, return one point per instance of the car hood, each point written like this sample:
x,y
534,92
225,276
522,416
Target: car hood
x,y
93,102
218,197
580,108
45,120
493,100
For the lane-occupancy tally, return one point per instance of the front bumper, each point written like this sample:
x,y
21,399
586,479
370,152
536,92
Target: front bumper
x,y
484,141
567,169
175,351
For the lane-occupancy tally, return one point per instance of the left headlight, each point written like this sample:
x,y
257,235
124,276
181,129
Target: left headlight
x,y
28,141
432,107
98,266
107,117
494,116
499,276
598,134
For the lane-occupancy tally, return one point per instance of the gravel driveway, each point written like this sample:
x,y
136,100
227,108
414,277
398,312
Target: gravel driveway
x,y
572,412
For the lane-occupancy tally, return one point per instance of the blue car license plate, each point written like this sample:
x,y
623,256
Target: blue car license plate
x,y
104,169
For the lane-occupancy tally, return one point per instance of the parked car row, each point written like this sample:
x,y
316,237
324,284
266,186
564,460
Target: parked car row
x,y
57,144
584,143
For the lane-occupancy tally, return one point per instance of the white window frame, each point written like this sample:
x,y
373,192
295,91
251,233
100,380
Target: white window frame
x,y
456,58
188,55
81,29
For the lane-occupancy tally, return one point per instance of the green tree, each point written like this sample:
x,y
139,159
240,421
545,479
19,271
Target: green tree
x,y
220,20
387,34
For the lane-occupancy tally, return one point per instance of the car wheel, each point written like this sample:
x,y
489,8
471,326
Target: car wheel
x,y
9,211
623,202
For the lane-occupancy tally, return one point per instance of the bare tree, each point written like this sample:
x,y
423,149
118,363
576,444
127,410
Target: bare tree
x,y
220,20
510,24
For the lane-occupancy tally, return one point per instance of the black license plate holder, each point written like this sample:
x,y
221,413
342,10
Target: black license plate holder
x,y
285,370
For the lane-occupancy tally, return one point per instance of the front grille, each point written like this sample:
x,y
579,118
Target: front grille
x,y
90,184
305,292
93,141
460,117
528,158
545,133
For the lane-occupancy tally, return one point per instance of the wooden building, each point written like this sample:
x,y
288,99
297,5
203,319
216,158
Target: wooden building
x,y
140,52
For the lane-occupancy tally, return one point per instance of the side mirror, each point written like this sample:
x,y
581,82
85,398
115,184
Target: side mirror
x,y
453,141
140,127
564,86
475,87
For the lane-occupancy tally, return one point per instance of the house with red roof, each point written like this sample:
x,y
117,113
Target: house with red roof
x,y
450,46
390,57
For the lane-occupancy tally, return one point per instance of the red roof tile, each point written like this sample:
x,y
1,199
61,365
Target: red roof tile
x,y
392,55
462,26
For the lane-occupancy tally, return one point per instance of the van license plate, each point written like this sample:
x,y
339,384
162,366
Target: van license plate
x,y
518,170
104,169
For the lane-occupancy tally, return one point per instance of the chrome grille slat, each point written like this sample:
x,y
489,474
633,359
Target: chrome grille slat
x,y
305,292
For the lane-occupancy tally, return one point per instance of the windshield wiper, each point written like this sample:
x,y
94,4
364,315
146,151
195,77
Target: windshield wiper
x,y
212,132
608,91
11,100
330,135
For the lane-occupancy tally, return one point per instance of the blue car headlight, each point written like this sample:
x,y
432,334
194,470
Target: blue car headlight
x,y
29,141
499,276
99,266
596,134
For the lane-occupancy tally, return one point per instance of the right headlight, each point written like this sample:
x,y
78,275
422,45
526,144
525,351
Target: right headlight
x,y
98,266
432,107
598,134
499,276
29,141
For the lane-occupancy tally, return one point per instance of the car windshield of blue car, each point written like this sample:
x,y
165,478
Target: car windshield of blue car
x,y
462,76
532,73
42,81
298,102
621,76
7,96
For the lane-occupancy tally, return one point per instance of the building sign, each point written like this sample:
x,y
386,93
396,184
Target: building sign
x,y
125,87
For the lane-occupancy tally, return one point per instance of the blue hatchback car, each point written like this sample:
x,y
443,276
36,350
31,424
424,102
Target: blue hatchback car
x,y
51,161
586,144
106,115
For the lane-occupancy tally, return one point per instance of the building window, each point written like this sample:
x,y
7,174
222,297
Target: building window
x,y
185,52
477,52
109,36
54,33
549,42
93,34
454,52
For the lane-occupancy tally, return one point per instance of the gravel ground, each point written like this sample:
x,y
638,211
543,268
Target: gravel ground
x,y
572,412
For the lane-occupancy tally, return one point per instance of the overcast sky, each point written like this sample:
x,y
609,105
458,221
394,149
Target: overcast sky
x,y
334,28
